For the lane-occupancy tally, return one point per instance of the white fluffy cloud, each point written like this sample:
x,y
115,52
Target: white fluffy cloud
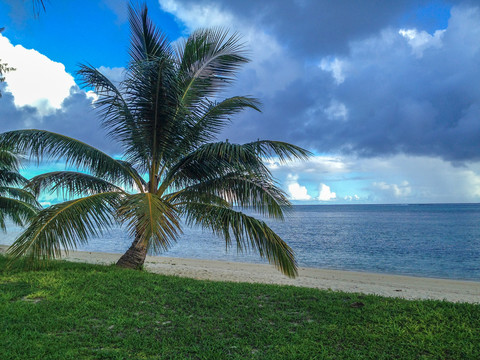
x,y
197,15
399,178
314,165
325,194
37,80
295,190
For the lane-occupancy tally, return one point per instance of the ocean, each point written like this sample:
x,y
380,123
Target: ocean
x,y
434,240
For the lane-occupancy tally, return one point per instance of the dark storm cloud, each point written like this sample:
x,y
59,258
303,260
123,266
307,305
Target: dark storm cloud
x,y
76,118
318,27
393,94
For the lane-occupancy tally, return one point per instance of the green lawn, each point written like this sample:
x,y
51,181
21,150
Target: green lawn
x,y
80,311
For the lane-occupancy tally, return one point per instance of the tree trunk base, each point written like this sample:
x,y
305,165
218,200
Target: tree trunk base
x,y
134,257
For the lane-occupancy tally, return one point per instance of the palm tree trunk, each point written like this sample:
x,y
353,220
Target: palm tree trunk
x,y
135,255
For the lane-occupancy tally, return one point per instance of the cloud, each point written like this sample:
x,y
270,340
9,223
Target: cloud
x,y
346,83
400,178
325,194
37,80
334,66
416,98
40,94
336,111
391,104
308,28
351,197
295,190
394,98
75,118
419,179
421,40
114,74
397,191
197,14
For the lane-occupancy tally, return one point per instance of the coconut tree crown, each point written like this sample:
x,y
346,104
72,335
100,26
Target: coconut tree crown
x,y
165,115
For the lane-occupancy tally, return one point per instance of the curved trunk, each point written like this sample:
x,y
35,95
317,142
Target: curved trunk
x,y
135,255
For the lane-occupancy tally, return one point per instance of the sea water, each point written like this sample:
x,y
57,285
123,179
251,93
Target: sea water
x,y
441,240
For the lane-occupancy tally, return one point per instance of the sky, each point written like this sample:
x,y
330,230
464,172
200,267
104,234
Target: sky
x,y
386,94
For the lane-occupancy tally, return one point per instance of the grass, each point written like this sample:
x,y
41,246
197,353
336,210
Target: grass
x,y
80,311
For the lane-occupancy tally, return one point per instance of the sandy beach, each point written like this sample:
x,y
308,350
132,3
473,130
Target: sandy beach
x,y
406,287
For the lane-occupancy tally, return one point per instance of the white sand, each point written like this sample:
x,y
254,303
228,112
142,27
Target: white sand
x,y
406,287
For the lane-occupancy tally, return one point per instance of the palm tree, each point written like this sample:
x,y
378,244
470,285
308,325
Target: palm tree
x,y
164,114
16,204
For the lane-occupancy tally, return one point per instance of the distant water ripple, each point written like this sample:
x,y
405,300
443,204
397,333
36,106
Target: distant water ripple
x,y
421,240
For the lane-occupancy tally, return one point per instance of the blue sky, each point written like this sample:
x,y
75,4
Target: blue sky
x,y
386,94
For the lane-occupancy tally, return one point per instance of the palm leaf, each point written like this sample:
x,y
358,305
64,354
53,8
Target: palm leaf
x,y
191,195
13,178
70,183
18,211
41,143
19,194
64,226
9,161
116,115
209,118
209,61
282,150
214,160
247,192
147,41
248,232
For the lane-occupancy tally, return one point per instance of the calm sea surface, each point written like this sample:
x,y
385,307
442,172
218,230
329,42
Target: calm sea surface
x,y
422,240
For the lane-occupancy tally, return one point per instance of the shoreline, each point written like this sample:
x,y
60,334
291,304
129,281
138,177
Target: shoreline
x,y
399,286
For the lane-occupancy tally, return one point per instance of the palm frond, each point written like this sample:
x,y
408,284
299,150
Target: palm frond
x,y
19,194
282,150
248,232
9,161
147,41
38,5
18,211
134,173
110,104
151,219
64,226
116,114
11,178
41,143
209,118
208,62
214,160
192,195
70,184
247,192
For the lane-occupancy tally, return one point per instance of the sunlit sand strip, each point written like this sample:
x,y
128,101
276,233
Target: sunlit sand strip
x,y
406,287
